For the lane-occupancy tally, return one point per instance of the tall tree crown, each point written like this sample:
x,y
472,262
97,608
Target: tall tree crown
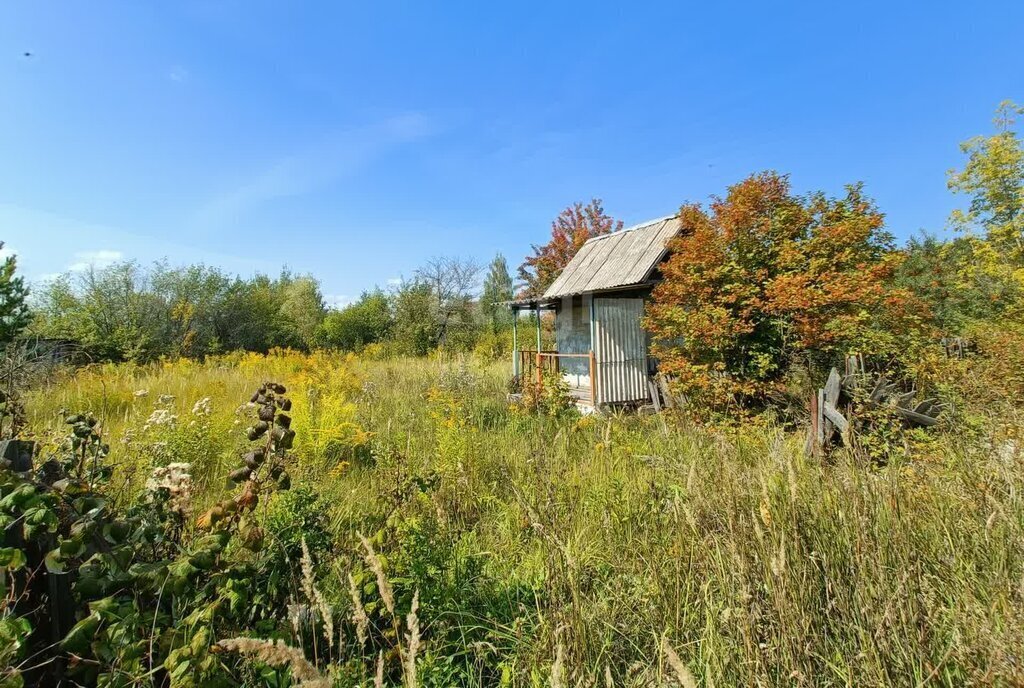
x,y
497,288
569,231
14,314
993,177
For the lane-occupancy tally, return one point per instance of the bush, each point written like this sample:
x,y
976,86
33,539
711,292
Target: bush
x,y
494,345
549,397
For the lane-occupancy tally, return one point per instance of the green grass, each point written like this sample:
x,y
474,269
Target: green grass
x,y
600,535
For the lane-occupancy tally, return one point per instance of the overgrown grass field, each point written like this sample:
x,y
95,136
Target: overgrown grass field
x,y
570,550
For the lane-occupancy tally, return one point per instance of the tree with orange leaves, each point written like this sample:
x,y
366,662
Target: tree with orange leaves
x,y
569,232
763,275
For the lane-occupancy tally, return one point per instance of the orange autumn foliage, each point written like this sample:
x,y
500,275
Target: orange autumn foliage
x,y
762,275
569,231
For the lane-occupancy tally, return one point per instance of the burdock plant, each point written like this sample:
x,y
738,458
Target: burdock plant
x,y
263,466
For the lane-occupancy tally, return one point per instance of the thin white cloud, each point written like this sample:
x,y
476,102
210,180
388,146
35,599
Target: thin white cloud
x,y
97,259
338,300
178,74
46,243
340,154
6,252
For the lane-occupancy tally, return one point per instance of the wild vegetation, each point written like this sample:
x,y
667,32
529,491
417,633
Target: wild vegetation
x,y
313,517
536,541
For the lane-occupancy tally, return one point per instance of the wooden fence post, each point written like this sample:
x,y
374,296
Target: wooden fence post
x,y
814,432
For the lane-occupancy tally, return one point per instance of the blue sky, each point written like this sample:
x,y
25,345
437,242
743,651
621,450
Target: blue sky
x,y
355,140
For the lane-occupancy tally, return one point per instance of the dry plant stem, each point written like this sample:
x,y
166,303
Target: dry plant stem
x,y
412,640
682,674
359,617
278,654
383,585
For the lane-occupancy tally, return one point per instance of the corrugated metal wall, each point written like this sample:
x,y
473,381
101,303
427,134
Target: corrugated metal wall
x,y
621,350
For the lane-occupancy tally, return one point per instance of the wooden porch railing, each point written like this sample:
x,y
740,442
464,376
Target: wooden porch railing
x,y
533,365
528,364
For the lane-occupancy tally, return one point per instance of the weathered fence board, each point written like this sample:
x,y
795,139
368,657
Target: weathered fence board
x,y
829,414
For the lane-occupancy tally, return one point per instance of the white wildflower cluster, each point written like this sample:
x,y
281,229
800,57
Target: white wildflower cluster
x,y
139,393
165,399
160,417
177,480
203,407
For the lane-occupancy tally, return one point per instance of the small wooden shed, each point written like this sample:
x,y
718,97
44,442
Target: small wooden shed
x,y
598,300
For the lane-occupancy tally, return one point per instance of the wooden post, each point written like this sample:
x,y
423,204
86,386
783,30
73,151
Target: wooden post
x,y
593,355
819,438
515,342
813,443
593,379
536,315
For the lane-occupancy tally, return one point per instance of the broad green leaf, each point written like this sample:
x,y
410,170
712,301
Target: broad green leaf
x,y
11,558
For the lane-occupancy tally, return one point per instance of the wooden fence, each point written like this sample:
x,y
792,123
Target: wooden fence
x,y
831,407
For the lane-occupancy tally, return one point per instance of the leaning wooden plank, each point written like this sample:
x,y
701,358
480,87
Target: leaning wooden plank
x,y
824,427
652,389
832,387
927,406
918,418
666,393
837,418
879,390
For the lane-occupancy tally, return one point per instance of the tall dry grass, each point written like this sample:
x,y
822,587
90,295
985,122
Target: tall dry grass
x,y
590,545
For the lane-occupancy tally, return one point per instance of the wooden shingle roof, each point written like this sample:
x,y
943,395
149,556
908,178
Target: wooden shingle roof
x,y
616,260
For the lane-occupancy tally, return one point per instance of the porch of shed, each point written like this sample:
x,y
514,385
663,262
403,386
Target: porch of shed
x,y
600,348
573,356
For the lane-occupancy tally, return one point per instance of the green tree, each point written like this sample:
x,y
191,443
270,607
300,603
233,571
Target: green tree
x,y
978,275
190,297
934,270
366,321
14,313
497,289
452,283
111,311
415,327
302,306
126,312
994,179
